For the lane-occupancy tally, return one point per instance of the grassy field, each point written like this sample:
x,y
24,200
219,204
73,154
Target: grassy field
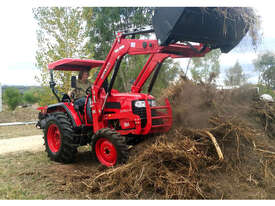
x,y
29,175
21,177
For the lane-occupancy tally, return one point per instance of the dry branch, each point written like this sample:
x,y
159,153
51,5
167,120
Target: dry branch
x,y
265,151
218,149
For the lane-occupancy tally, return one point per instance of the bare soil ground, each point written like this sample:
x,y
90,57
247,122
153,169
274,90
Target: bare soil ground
x,y
19,114
29,143
19,131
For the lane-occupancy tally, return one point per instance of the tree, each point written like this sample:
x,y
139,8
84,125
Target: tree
x,y
44,97
206,68
12,97
269,77
62,33
265,65
105,23
235,76
31,96
167,74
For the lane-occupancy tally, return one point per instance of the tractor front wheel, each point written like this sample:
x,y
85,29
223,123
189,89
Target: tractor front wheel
x,y
110,147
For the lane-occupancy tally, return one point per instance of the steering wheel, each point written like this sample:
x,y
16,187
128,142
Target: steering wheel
x,y
88,90
66,98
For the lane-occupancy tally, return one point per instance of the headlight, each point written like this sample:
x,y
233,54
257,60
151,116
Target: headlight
x,y
152,102
140,104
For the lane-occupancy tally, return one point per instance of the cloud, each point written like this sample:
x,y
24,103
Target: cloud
x,y
228,60
18,34
21,73
18,44
266,13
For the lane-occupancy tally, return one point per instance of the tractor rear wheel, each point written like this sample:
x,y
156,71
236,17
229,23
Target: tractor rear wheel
x,y
59,138
110,147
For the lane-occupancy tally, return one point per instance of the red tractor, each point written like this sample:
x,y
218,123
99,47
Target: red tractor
x,y
111,119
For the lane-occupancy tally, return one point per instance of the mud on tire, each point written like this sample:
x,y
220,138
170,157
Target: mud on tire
x,y
109,147
59,138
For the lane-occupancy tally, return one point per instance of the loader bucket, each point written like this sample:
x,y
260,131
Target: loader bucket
x,y
199,24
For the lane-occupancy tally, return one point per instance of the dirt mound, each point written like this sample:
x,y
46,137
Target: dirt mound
x,y
217,149
22,114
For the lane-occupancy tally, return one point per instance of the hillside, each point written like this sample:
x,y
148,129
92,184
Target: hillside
x,y
21,88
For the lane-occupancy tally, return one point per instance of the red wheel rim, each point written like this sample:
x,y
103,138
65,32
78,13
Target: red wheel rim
x,y
54,138
106,152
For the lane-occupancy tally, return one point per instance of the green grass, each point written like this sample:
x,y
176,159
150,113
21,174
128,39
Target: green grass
x,y
22,176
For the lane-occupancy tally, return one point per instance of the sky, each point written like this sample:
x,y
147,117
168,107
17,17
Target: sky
x,y
18,36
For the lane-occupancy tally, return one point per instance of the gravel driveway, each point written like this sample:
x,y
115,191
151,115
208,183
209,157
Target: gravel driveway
x,y
29,143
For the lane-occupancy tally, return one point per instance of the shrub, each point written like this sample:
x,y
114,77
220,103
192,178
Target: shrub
x,y
12,97
31,96
46,96
266,90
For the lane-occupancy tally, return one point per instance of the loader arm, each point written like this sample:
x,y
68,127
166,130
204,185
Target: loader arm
x,y
158,54
172,51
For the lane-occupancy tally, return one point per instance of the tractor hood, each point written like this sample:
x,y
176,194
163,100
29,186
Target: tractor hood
x,y
129,96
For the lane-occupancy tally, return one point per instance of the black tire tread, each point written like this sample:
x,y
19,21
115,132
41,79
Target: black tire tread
x,y
68,149
118,140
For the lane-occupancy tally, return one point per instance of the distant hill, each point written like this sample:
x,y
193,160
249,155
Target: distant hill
x,y
21,88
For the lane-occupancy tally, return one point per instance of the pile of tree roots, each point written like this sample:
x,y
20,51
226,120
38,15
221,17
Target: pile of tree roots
x,y
215,146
